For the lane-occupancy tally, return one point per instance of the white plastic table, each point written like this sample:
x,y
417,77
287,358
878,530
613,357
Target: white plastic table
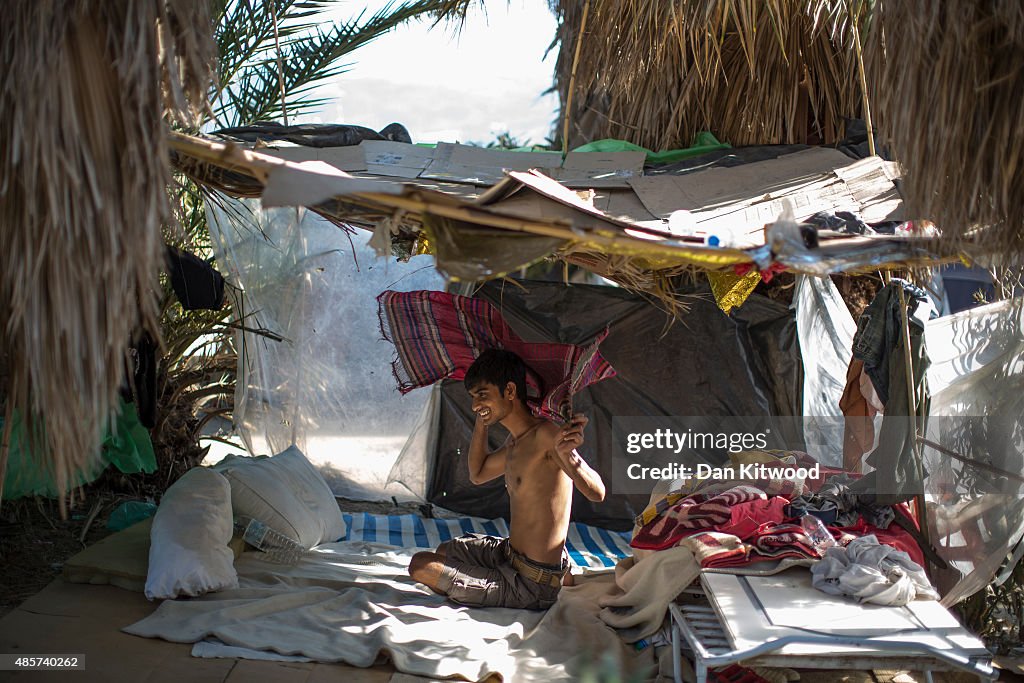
x,y
783,621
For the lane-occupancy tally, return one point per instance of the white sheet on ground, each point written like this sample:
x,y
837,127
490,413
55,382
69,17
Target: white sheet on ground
x,y
352,601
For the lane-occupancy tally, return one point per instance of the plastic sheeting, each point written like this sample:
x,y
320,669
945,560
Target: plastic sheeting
x,y
707,363
825,329
975,514
976,509
324,382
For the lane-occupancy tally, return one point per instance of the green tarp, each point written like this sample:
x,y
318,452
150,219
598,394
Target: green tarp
x,y
702,144
127,447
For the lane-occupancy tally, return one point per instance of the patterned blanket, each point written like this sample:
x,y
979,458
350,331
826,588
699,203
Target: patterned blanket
x,y
746,524
438,335
695,513
787,488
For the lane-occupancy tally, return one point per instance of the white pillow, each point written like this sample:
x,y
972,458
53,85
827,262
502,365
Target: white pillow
x,y
286,493
188,551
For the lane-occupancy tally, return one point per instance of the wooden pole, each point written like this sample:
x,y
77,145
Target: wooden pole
x,y
919,502
863,77
572,82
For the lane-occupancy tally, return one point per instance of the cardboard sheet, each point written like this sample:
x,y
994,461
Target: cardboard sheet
x,y
310,182
735,203
397,159
598,169
342,158
482,166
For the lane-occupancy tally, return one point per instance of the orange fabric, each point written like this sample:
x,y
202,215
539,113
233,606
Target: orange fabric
x,y
859,428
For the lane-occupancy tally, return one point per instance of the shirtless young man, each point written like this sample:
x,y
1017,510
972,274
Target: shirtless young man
x,y
541,467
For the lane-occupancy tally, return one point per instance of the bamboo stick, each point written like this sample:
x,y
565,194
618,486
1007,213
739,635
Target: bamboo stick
x,y
572,81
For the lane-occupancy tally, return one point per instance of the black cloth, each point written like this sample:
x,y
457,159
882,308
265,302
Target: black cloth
x,y
141,389
836,505
195,282
723,158
842,221
198,286
314,134
879,342
706,363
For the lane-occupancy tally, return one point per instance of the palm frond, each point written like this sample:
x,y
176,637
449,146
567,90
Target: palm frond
x,y
751,71
948,81
249,80
83,95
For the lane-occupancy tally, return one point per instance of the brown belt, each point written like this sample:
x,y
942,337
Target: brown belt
x,y
536,574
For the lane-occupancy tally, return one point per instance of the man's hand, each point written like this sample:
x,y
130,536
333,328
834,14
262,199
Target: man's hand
x,y
484,465
584,478
570,436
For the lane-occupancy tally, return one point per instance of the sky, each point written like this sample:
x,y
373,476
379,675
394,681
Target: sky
x,y
447,87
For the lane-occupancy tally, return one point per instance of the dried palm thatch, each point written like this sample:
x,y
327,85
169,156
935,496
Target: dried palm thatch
x,y
948,81
752,72
83,173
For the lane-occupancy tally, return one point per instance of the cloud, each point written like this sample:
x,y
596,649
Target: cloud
x,y
427,110
438,84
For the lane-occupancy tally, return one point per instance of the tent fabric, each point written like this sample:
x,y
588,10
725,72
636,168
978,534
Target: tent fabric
x,y
707,363
311,371
438,336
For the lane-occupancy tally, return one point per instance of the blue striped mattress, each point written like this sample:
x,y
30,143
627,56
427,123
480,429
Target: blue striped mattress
x,y
588,546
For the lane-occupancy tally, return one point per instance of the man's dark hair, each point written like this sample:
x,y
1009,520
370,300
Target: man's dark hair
x,y
498,367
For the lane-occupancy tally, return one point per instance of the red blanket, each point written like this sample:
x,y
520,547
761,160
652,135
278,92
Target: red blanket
x,y
437,336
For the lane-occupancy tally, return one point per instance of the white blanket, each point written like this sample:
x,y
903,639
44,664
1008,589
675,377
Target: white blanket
x,y
351,602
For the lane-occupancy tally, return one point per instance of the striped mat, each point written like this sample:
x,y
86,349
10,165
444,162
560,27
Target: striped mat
x,y
588,546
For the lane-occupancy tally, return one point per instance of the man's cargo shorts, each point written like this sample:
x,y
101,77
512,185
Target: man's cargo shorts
x,y
485,571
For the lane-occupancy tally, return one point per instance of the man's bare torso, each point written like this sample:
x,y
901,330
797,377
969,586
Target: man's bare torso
x,y
540,494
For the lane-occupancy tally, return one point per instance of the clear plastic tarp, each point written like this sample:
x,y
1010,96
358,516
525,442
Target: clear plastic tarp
x,y
975,487
973,448
318,374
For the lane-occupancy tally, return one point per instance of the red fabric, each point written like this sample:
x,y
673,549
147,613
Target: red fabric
x,y
694,513
895,535
716,550
767,274
744,524
771,541
438,336
746,519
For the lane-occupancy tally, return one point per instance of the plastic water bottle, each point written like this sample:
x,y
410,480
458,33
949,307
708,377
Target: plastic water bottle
x,y
817,534
276,546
